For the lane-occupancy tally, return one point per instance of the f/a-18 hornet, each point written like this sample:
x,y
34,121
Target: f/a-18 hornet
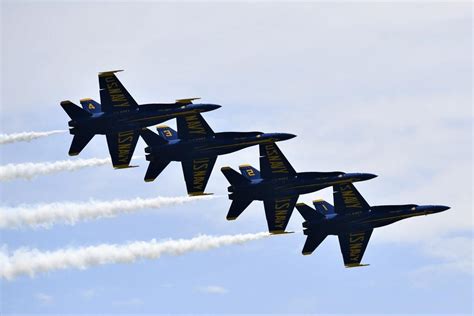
x,y
120,118
196,146
353,221
278,185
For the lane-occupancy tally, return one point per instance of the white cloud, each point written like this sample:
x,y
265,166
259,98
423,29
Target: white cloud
x,y
88,293
213,289
44,299
129,302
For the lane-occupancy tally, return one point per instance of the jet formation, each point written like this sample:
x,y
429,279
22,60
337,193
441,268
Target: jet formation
x,y
122,120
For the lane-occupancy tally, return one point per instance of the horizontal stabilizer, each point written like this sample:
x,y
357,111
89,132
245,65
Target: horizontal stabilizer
x,y
152,139
308,213
79,141
236,208
74,111
312,242
233,176
154,169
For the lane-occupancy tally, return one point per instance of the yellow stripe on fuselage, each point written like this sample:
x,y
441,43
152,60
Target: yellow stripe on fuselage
x,y
393,217
161,116
238,144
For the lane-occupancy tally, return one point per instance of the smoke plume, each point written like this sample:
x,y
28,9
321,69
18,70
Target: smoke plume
x,y
30,170
25,136
32,261
46,215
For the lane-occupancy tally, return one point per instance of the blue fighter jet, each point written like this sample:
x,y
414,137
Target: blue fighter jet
x,y
353,221
120,118
278,185
196,146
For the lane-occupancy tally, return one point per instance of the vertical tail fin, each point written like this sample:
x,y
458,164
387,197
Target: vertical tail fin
x,y
167,132
73,110
249,172
323,207
91,106
233,176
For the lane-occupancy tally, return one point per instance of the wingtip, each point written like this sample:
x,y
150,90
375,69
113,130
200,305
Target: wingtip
x,y
307,253
230,218
356,265
73,154
110,72
199,194
280,232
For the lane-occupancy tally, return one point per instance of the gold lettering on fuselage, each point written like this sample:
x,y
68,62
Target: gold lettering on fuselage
x,y
116,94
124,141
276,163
200,167
194,125
349,197
356,242
282,208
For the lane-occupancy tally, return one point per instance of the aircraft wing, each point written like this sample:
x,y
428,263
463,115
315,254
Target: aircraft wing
x,y
196,174
273,164
278,213
347,200
121,147
193,126
113,95
353,247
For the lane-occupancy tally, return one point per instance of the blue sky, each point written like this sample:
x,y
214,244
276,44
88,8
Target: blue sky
x,y
370,87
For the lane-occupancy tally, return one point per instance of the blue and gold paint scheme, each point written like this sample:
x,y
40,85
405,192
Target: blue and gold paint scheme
x,y
197,147
353,221
120,118
278,185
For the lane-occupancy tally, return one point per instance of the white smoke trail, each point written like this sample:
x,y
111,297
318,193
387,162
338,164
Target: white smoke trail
x,y
26,136
46,215
32,261
30,170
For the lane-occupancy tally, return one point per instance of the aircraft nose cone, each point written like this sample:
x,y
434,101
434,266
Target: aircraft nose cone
x,y
439,208
368,176
213,107
286,136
